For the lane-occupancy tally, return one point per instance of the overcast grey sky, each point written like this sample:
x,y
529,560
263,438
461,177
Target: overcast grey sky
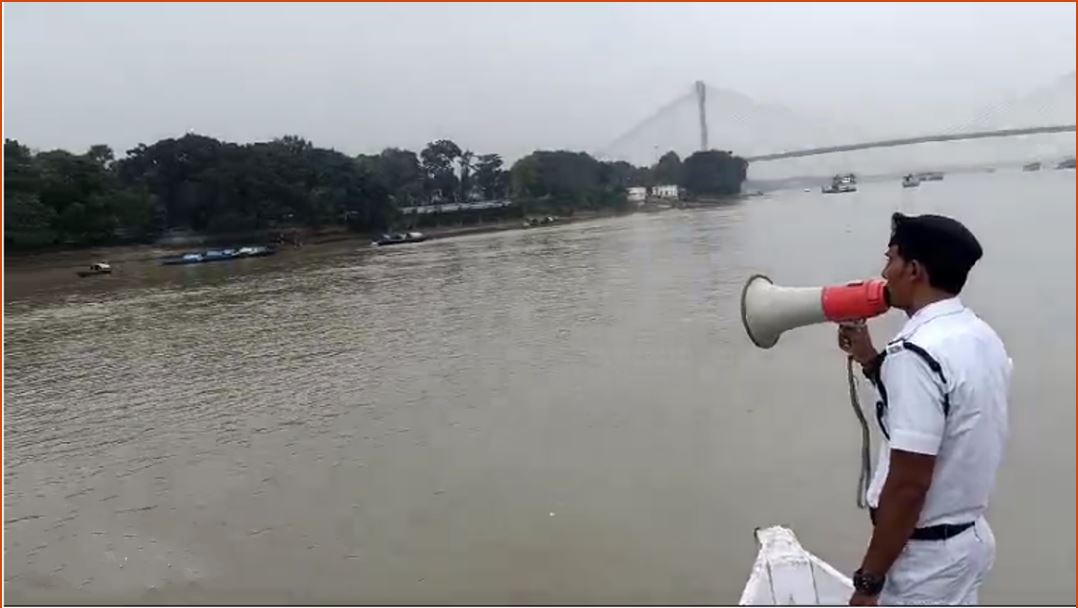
x,y
503,78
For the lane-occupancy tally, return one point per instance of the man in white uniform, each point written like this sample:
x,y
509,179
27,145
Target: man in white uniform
x,y
943,384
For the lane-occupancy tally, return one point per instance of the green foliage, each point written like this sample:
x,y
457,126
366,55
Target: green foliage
x,y
191,183
713,172
200,184
438,158
398,172
668,169
490,178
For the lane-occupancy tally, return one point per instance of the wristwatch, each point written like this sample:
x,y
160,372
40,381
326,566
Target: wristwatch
x,y
868,584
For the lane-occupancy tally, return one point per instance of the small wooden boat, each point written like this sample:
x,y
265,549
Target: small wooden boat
x,y
95,270
397,238
785,574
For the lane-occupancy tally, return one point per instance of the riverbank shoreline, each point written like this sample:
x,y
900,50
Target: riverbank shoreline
x,y
304,238
117,254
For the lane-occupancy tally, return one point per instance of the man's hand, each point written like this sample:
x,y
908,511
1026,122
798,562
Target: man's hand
x,y
860,599
854,340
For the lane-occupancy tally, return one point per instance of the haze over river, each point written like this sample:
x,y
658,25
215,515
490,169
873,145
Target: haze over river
x,y
569,414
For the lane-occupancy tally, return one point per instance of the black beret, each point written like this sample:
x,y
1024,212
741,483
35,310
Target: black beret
x,y
935,236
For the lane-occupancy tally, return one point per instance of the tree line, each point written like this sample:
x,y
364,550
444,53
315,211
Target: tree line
x,y
199,184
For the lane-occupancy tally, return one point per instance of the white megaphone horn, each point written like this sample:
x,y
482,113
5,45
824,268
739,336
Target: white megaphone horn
x,y
767,310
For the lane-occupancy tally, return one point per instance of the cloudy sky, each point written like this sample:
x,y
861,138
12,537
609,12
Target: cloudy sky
x,y
504,78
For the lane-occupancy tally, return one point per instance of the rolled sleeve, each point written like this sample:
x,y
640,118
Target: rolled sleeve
x,y
915,415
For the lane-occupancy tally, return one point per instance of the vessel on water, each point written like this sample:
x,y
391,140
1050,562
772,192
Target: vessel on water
x,y
94,270
1066,164
930,176
218,255
1031,167
541,221
397,238
785,574
841,184
911,181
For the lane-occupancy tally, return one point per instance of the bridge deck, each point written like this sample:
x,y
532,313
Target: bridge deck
x,y
907,141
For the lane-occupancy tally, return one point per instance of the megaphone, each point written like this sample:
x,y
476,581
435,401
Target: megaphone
x,y
768,310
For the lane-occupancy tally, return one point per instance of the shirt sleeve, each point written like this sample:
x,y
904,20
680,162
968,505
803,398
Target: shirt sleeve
x,y
915,415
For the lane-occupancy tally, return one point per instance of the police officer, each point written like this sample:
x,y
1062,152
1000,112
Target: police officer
x,y
943,385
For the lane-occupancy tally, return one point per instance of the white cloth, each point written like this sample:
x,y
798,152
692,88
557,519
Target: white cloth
x,y
968,442
941,572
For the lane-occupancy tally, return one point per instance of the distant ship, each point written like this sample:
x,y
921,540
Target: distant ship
x,y
841,184
1032,167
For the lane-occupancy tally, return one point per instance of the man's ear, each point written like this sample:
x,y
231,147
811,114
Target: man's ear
x,y
917,271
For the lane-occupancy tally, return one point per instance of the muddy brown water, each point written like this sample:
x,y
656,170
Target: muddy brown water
x,y
562,415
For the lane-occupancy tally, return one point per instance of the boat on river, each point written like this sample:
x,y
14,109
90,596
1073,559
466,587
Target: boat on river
x,y
94,270
841,184
398,238
218,255
785,574
911,181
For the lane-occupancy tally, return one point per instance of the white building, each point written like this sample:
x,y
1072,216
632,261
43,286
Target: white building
x,y
636,194
667,191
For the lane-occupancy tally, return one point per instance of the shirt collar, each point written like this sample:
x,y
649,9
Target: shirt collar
x,y
932,311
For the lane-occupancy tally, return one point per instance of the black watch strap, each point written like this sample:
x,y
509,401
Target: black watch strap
x,y
868,584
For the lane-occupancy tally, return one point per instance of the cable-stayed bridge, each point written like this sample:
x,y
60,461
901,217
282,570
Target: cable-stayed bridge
x,y
706,117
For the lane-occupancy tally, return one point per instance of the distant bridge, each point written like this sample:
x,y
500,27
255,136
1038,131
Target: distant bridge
x,y
908,141
765,127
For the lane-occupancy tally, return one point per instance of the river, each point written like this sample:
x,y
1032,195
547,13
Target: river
x,y
569,414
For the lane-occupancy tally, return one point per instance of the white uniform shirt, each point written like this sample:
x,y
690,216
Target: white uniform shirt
x,y
968,441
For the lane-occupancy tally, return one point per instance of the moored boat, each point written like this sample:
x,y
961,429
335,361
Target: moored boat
x,y
95,270
256,251
542,221
397,238
218,255
785,574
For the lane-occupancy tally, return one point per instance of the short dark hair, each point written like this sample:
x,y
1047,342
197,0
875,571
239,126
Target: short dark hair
x,y
946,248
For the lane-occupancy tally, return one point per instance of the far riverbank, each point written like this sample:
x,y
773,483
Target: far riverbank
x,y
298,238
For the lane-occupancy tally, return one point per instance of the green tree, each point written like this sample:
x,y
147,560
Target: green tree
x,y
399,172
668,169
490,177
28,222
570,179
437,160
713,172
